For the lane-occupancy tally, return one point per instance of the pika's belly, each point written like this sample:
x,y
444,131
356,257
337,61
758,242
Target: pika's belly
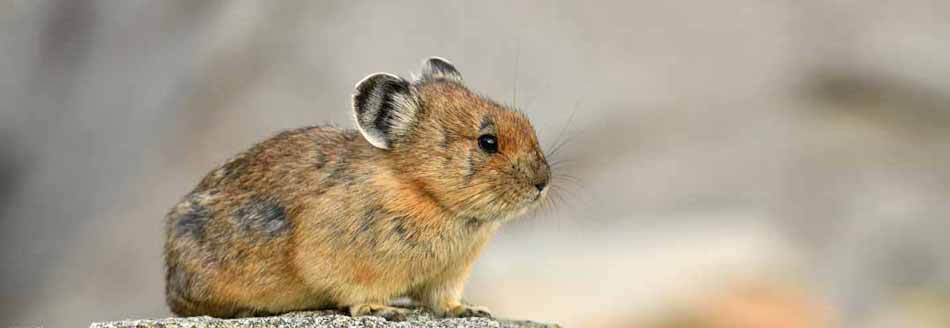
x,y
369,278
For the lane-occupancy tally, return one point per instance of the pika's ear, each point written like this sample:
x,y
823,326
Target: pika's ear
x,y
385,107
436,68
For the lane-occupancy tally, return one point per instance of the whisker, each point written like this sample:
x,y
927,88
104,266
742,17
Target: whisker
x,y
558,143
514,84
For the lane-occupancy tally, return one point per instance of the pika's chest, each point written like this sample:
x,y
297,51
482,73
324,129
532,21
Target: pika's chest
x,y
417,261
417,250
430,246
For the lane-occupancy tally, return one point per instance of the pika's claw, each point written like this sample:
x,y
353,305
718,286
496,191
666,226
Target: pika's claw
x,y
468,311
387,312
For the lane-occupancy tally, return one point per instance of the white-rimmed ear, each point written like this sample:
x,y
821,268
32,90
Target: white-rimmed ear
x,y
384,107
435,68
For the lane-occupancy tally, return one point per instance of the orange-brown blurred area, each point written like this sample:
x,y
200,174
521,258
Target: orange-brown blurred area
x,y
727,163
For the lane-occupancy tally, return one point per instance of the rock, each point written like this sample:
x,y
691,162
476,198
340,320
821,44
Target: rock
x,y
323,319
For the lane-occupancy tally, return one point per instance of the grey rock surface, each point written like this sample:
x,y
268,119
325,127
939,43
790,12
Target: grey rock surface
x,y
323,319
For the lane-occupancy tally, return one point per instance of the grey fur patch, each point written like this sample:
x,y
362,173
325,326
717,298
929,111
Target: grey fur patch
x,y
177,281
400,229
319,158
350,136
339,173
193,222
232,169
471,168
445,139
368,223
265,217
487,124
474,223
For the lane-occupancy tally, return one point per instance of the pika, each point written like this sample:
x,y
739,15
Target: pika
x,y
322,217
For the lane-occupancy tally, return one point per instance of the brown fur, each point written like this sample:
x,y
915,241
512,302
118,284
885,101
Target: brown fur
x,y
319,218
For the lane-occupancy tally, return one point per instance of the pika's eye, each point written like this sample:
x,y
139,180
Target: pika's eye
x,y
488,143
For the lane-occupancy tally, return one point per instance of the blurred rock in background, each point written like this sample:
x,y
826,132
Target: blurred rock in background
x,y
789,158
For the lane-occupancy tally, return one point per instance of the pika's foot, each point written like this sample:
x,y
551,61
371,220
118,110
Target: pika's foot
x,y
468,311
388,312
249,313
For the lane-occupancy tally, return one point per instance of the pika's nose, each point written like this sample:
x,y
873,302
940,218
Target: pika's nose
x,y
542,173
541,185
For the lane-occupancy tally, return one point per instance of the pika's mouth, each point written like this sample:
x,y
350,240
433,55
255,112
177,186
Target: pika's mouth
x,y
542,192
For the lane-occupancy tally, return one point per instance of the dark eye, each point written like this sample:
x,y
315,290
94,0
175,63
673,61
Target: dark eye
x,y
488,143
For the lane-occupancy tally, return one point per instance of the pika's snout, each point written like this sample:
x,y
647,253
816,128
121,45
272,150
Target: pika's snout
x,y
541,185
542,172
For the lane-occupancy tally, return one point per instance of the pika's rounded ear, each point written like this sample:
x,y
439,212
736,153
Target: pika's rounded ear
x,y
435,68
385,107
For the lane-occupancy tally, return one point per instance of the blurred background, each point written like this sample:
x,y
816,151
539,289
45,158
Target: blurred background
x,y
734,163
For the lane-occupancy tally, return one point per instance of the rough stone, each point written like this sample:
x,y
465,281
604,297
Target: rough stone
x,y
323,319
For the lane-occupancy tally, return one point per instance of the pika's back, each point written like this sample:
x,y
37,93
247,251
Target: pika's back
x,y
298,160
253,192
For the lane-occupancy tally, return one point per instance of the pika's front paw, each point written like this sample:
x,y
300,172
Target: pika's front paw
x,y
469,311
387,312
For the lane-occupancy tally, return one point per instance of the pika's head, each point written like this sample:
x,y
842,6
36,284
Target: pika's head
x,y
471,155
